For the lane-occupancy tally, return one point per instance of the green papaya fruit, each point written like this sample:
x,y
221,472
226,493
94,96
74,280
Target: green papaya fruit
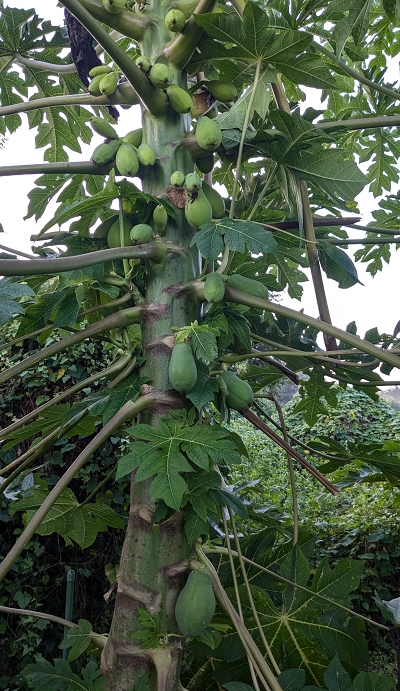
x,y
193,182
94,86
161,76
180,100
143,63
205,164
104,128
195,606
160,218
146,155
175,20
105,152
134,137
100,69
214,287
114,236
248,285
240,394
208,134
141,233
215,199
212,114
222,91
182,369
108,83
177,178
101,231
114,6
198,211
126,160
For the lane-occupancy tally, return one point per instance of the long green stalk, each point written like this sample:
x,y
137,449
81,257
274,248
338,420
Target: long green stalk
x,y
124,95
131,315
250,595
241,298
226,255
131,24
128,411
243,633
358,76
360,123
291,474
36,267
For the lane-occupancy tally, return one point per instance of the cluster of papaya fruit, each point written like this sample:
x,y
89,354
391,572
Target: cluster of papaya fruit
x,y
238,394
132,234
182,373
129,151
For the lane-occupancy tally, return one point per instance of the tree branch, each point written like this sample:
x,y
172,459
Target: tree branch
x,y
131,24
126,317
242,298
359,77
67,168
36,267
124,95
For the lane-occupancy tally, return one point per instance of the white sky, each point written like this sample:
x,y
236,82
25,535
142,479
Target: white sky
x,y
374,304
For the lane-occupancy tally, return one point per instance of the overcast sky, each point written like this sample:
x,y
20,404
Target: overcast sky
x,y
374,304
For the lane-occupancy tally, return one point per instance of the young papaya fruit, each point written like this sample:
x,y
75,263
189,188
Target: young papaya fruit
x,y
94,86
248,285
180,100
143,63
177,178
108,83
134,137
101,231
214,287
126,160
193,182
161,76
105,152
208,134
222,91
182,369
195,606
141,233
215,199
114,6
205,164
175,20
160,218
146,155
198,211
99,69
114,236
240,394
103,128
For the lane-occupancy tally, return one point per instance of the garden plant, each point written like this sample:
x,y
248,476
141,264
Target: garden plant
x,y
170,249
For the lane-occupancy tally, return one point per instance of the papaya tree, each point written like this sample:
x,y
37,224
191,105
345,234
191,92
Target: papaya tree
x,y
171,247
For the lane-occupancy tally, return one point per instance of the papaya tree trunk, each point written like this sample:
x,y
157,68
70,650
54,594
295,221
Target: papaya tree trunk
x,y
155,557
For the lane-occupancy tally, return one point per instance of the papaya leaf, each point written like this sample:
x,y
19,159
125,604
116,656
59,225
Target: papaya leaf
x,y
67,518
10,292
336,176
372,681
309,70
337,265
292,679
77,639
60,677
313,392
204,388
166,452
336,677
